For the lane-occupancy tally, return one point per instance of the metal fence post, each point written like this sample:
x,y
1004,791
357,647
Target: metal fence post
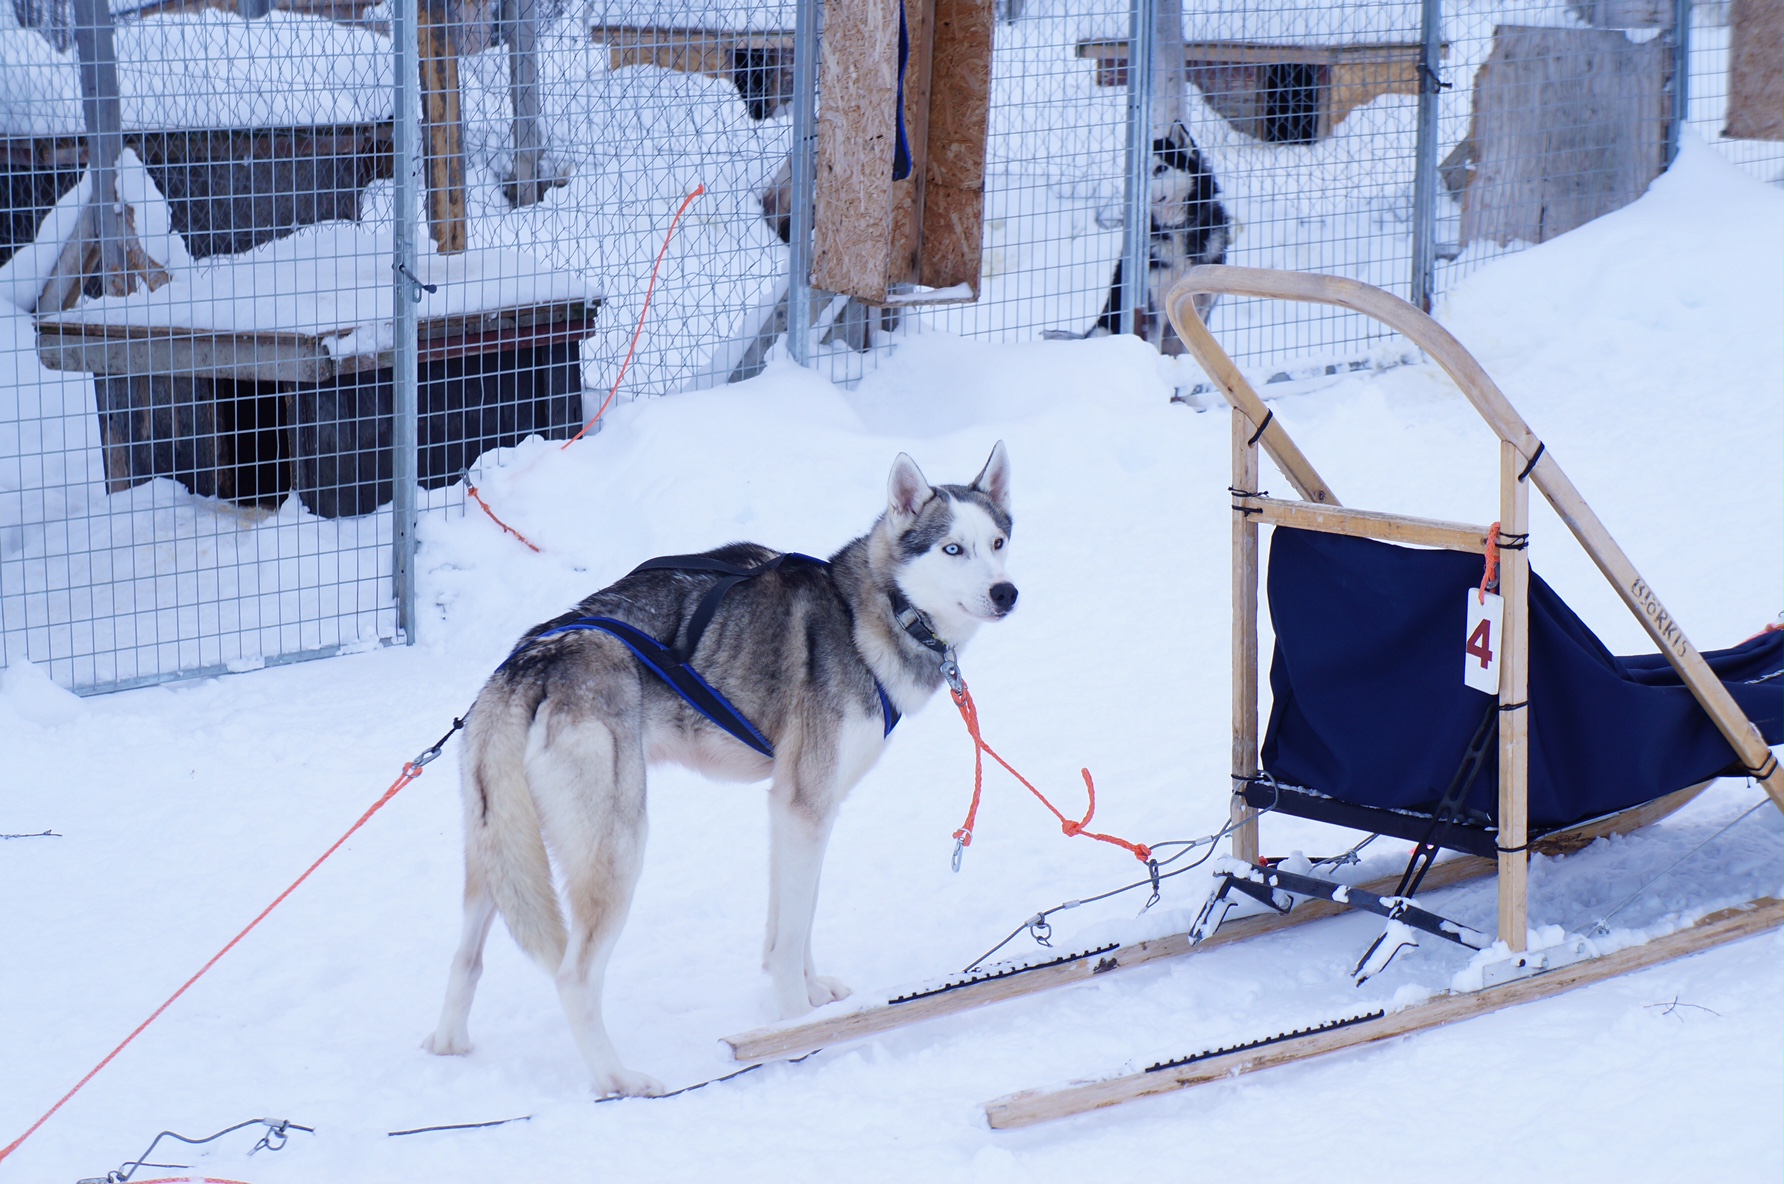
x,y
799,228
1424,177
406,293
1681,78
1136,248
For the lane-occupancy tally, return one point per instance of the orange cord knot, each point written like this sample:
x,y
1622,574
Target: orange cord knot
x,y
969,715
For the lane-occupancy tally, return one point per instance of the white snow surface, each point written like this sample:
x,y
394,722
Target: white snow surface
x,y
329,279
1642,348
210,69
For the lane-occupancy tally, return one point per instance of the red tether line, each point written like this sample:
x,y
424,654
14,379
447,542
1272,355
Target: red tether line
x,y
642,313
969,714
649,292
478,498
411,771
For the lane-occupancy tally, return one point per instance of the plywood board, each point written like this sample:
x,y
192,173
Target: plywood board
x,y
1756,72
1569,124
858,67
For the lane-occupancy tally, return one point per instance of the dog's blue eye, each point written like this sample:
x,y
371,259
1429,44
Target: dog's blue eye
x,y
951,549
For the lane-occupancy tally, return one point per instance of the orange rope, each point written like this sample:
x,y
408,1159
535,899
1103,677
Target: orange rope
x,y
411,771
969,714
649,292
472,490
636,333
1490,577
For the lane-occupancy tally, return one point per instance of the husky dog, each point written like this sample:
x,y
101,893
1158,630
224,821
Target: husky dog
x,y
820,656
1188,226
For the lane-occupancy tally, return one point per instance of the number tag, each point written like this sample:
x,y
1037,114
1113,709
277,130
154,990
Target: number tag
x,y
1480,659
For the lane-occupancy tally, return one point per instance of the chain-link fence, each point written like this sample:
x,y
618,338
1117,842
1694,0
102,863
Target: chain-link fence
x,y
278,275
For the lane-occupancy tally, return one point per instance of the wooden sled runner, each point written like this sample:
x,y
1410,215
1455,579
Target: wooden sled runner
x,y
1524,460
1004,981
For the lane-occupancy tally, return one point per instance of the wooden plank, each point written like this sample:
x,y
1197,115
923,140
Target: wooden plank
x,y
1245,645
1231,53
1042,1105
1367,524
1514,704
1545,471
858,77
1569,124
1626,822
1756,71
959,118
444,149
100,348
782,1041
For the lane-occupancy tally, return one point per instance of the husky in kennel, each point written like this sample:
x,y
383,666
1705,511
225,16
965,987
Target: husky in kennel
x,y
1188,226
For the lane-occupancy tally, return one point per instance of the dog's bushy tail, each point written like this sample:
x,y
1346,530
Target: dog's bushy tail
x,y
502,832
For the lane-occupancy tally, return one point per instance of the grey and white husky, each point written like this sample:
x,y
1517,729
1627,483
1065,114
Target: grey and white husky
x,y
817,655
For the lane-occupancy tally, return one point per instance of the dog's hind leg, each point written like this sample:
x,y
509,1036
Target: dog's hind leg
x,y
453,1037
588,777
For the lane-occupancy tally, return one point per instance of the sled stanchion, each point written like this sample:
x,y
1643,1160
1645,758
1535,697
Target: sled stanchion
x,y
1514,698
1245,689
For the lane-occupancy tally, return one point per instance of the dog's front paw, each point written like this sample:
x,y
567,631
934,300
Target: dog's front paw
x,y
624,1083
447,1044
822,989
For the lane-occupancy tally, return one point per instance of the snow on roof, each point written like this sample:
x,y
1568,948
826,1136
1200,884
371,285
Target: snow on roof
x,y
206,70
328,281
724,15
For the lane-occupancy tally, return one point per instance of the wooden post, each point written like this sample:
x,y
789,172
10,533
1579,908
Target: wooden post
x,y
1168,74
1514,702
444,150
527,185
1245,764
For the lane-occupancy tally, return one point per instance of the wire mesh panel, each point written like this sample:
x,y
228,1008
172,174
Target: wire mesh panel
x,y
194,260
227,386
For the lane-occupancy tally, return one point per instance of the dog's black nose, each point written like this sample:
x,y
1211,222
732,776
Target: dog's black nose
x,y
1003,596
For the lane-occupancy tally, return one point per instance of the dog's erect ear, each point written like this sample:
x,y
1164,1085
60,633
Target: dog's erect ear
x,y
1179,136
994,479
906,490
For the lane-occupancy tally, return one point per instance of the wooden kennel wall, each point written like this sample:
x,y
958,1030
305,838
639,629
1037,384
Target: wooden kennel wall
x,y
876,237
1281,94
1568,125
1523,460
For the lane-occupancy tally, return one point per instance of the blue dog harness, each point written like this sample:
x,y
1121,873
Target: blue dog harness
x,y
674,666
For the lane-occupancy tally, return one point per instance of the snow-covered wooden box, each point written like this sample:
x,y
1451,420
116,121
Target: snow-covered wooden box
x,y
271,372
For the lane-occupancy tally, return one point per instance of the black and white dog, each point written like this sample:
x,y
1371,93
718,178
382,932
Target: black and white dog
x,y
1188,226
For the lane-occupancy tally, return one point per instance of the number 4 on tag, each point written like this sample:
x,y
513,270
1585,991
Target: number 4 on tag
x,y
1480,661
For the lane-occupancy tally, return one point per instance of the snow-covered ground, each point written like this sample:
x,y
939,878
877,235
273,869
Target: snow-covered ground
x,y
1643,348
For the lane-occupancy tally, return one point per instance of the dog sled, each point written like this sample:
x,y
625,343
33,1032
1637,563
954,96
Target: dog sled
x,y
1452,709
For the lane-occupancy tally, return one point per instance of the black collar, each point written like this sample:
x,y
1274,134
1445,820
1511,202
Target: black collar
x,y
911,619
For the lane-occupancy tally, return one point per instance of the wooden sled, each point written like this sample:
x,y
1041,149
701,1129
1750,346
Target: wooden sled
x,y
1523,460
1003,981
